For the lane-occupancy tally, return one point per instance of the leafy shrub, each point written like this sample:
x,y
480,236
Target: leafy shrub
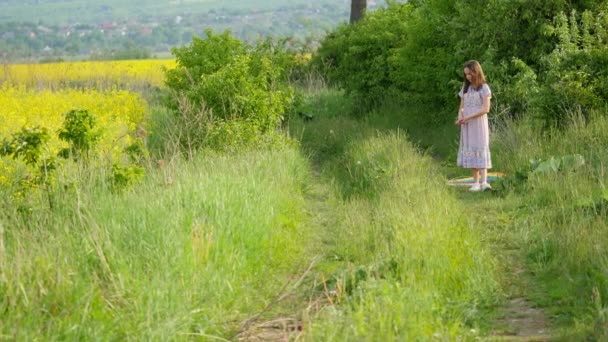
x,y
357,57
124,176
80,132
232,82
137,151
201,57
517,86
577,70
27,144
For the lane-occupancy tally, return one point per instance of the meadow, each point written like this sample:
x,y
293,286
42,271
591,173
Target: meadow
x,y
345,231
214,246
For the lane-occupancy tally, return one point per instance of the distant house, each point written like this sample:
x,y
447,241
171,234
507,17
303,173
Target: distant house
x,y
107,26
146,31
44,29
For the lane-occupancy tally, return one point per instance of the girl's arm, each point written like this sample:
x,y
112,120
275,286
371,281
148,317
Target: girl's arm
x,y
460,118
485,109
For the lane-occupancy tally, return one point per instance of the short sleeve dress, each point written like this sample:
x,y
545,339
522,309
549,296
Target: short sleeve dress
x,y
474,150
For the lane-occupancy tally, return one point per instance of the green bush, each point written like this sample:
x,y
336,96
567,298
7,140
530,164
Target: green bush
x,y
234,85
27,144
577,70
516,86
357,57
80,132
417,49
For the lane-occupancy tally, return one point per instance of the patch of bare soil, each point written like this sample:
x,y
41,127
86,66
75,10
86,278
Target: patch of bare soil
x,y
522,322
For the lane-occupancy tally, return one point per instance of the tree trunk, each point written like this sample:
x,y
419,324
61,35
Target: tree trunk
x,y
357,9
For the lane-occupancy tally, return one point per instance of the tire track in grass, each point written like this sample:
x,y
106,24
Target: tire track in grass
x,y
285,318
517,319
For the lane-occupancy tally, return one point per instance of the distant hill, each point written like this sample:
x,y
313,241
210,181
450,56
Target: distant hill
x,y
98,11
39,30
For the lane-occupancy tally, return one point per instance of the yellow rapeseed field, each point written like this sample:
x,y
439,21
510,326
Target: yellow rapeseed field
x,y
90,74
118,113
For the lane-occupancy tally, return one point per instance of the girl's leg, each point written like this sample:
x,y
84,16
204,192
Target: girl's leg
x,y
484,180
475,176
476,186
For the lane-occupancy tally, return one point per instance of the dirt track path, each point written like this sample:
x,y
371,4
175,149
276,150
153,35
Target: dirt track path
x,y
518,319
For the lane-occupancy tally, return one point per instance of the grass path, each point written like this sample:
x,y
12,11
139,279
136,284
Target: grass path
x,y
285,318
518,319
293,313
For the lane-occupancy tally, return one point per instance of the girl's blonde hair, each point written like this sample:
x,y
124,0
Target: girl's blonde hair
x,y
478,77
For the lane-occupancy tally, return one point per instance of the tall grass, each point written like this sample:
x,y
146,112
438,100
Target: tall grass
x,y
417,269
193,251
563,227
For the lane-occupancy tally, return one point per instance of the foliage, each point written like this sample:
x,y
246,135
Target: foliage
x,y
357,57
80,132
137,152
28,144
517,89
241,89
533,56
577,69
124,176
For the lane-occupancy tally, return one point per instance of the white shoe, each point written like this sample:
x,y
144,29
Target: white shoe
x,y
475,187
485,186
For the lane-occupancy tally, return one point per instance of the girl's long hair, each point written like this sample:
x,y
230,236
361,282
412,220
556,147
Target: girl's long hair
x,y
478,77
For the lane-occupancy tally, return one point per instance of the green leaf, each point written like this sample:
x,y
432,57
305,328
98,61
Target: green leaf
x,y
551,165
572,162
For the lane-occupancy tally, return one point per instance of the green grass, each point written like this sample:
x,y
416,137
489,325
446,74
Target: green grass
x,y
552,224
197,248
202,246
561,220
556,221
402,257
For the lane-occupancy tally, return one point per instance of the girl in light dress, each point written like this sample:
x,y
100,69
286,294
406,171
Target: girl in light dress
x,y
474,150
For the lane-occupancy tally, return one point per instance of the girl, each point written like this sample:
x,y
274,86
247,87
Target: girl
x,y
474,150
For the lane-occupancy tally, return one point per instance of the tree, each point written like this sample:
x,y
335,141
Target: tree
x,y
357,9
